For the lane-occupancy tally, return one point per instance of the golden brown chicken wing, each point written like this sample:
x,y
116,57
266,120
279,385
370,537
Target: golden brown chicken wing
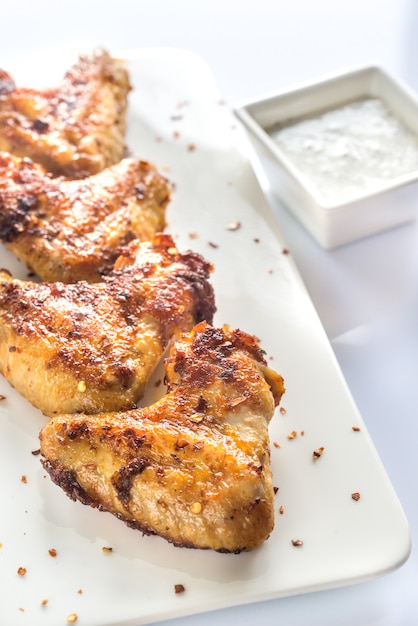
x,y
92,347
195,466
69,230
75,129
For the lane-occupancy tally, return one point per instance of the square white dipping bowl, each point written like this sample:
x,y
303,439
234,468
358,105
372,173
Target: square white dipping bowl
x,y
337,220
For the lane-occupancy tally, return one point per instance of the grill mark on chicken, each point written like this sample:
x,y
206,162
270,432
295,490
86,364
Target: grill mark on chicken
x,y
69,230
106,336
75,129
199,480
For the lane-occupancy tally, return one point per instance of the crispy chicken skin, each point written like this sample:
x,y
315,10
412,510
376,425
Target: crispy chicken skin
x,y
194,467
69,230
92,347
75,129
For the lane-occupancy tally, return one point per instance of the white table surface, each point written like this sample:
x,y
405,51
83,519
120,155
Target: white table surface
x,y
366,293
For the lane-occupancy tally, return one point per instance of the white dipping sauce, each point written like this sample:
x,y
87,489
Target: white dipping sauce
x,y
348,150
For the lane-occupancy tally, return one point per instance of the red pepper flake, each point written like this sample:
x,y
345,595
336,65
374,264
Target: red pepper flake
x,y
316,454
234,226
23,479
179,588
52,552
297,543
355,496
22,571
356,429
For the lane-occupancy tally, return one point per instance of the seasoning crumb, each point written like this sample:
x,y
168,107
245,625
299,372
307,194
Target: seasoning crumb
x,y
36,452
282,410
2,397
285,251
292,434
196,508
281,509
52,552
256,240
213,245
275,489
191,147
318,452
355,496
302,432
158,382
234,226
356,429
176,118
107,549
158,139
1,545
270,271
196,418
237,401
44,602
179,588
82,386
23,479
297,542
80,591
276,444
194,235
176,134
72,618
21,571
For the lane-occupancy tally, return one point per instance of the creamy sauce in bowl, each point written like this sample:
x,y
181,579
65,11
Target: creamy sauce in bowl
x,y
350,150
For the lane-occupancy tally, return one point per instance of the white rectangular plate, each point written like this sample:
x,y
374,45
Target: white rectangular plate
x,y
178,120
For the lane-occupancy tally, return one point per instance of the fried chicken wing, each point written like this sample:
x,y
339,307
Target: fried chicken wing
x,y
195,466
92,347
69,230
75,129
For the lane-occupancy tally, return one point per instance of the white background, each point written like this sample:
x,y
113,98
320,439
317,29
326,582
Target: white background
x,y
365,293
